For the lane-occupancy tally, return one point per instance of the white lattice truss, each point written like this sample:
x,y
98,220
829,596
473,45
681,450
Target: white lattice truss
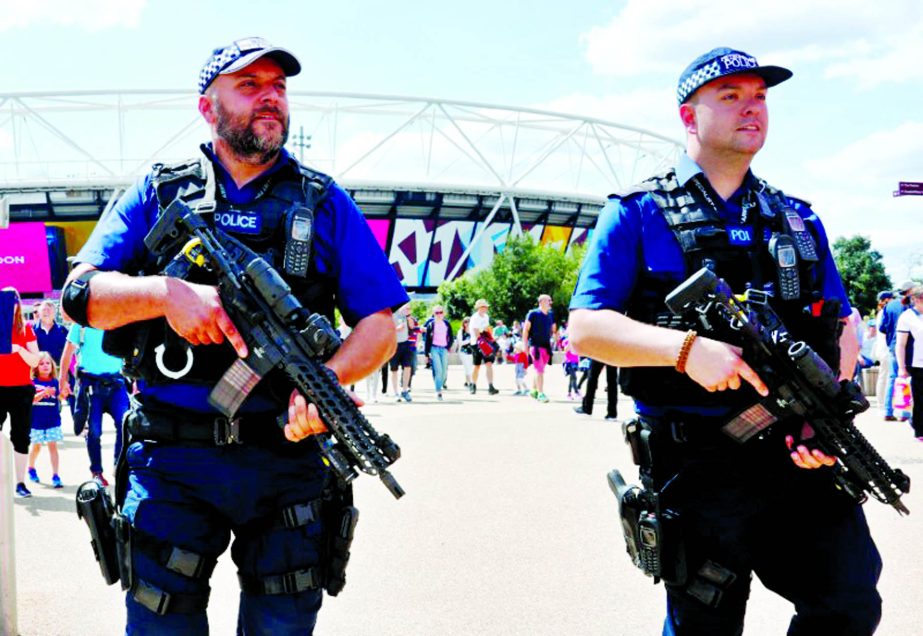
x,y
106,139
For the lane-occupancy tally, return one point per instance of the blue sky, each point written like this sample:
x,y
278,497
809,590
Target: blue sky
x,y
843,131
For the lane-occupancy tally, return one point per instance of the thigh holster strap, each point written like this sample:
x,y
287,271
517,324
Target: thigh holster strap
x,y
161,603
289,518
185,562
288,583
298,515
710,583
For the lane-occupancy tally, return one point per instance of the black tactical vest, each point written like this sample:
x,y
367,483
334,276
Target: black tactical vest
x,y
291,187
705,240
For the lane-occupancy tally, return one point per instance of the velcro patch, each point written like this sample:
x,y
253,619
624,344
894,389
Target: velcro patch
x,y
740,234
240,222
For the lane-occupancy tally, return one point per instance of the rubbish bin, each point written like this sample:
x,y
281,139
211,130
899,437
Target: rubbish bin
x,y
869,380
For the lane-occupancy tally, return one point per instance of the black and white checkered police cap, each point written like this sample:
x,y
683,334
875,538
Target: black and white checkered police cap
x,y
720,62
240,54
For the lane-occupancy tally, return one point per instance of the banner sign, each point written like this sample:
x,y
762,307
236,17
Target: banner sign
x,y
911,188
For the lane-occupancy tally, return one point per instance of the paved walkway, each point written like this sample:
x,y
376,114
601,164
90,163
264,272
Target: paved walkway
x,y
507,528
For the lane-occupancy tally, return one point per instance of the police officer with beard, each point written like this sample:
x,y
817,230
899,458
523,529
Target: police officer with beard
x,y
769,506
193,478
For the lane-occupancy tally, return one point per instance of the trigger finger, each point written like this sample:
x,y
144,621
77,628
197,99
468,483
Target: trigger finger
x,y
228,329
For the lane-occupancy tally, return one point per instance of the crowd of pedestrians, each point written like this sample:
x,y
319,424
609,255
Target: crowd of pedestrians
x,y
886,349
45,367
480,341
898,325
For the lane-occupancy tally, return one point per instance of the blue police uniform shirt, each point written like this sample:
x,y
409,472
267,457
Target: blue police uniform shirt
x,y
344,249
632,233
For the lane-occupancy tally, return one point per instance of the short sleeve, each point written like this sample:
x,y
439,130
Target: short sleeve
x,y
831,283
348,252
610,269
117,241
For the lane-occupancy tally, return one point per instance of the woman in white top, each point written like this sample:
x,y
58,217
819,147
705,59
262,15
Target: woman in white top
x,y
910,356
465,351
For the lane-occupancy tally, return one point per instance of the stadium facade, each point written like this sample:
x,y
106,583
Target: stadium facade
x,y
443,184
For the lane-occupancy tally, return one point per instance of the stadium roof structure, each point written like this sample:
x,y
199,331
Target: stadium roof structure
x,y
443,183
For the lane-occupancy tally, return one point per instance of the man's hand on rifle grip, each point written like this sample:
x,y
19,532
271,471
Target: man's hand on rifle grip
x,y
195,313
717,366
804,457
303,418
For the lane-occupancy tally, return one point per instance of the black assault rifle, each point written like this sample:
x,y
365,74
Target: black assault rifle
x,y
280,334
800,385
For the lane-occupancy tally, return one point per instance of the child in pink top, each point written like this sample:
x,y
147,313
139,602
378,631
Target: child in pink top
x,y
571,362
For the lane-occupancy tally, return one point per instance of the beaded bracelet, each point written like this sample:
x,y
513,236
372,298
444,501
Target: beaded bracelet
x,y
684,350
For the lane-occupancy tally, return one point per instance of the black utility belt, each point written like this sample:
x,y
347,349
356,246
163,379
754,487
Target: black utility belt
x,y
685,428
199,429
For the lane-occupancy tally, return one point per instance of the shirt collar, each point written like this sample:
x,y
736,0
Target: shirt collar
x,y
686,169
250,190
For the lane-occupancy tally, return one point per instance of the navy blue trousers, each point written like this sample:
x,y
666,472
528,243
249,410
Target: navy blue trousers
x,y
751,511
195,497
100,397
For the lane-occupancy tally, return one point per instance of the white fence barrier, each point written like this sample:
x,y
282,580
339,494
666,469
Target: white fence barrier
x,y
7,542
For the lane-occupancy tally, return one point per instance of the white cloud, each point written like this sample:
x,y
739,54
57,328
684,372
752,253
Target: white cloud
x,y
652,109
896,62
881,157
852,187
89,15
871,41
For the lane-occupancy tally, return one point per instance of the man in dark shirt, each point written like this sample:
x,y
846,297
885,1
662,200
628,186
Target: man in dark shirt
x,y
537,332
50,334
888,327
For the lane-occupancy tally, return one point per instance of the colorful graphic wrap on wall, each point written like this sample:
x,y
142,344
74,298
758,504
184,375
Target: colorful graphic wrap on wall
x,y
580,236
449,243
380,229
424,253
556,235
492,241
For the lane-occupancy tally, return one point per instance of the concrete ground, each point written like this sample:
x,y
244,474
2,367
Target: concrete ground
x,y
507,528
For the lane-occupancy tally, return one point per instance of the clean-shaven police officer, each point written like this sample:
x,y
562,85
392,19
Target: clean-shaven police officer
x,y
190,485
766,507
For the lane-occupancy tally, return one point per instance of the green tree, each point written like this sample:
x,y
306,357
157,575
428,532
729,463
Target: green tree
x,y
514,280
862,271
420,309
